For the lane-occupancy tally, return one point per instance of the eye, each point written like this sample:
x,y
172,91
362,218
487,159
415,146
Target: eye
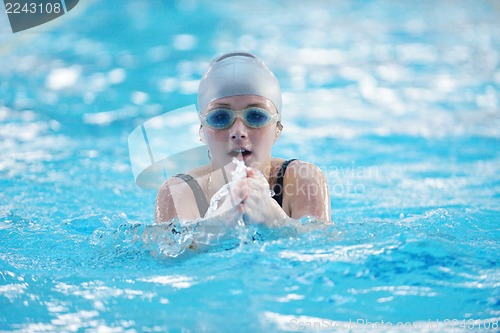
x,y
219,118
257,117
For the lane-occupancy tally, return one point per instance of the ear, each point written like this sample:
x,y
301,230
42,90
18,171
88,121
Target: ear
x,y
279,128
201,132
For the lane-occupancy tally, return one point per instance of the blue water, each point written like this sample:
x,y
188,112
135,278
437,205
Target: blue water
x,y
397,102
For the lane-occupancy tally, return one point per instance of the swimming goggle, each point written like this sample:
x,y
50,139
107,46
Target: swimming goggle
x,y
222,118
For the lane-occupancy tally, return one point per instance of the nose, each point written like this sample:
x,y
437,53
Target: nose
x,y
238,130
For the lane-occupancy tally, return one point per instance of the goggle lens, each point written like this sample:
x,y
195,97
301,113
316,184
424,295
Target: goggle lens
x,y
224,118
219,119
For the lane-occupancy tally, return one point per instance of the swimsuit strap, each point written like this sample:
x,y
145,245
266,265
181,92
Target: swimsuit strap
x,y
278,185
201,199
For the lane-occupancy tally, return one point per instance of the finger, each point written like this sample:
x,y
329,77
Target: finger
x,y
255,174
250,172
260,185
239,190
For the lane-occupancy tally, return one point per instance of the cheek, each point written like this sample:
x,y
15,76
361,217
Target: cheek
x,y
212,136
216,141
265,140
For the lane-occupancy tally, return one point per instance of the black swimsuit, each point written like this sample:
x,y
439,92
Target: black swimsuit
x,y
201,199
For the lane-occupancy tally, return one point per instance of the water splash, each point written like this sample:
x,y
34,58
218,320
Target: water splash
x,y
239,172
178,239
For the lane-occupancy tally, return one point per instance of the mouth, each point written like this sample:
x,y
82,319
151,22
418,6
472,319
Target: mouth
x,y
240,152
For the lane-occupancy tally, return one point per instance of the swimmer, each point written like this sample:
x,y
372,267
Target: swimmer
x,y
239,107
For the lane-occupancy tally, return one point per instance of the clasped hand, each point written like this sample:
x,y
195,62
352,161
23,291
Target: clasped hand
x,y
248,198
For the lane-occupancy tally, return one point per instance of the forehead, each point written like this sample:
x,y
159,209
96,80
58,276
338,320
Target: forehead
x,y
242,102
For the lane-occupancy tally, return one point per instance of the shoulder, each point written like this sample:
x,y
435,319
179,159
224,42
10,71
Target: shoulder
x,y
199,172
166,188
177,180
175,199
303,171
174,180
165,193
306,191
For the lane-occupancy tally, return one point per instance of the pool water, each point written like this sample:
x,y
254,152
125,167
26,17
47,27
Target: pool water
x,y
397,103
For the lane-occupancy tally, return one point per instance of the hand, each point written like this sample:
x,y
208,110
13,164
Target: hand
x,y
227,200
248,199
258,206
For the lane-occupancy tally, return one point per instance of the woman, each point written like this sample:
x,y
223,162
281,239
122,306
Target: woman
x,y
239,105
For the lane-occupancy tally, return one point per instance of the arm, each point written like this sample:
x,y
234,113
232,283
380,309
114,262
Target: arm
x,y
175,200
177,208
306,192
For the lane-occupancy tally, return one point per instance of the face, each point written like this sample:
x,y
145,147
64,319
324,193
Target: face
x,y
252,145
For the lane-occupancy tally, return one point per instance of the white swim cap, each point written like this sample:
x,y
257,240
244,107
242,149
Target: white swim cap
x,y
235,74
